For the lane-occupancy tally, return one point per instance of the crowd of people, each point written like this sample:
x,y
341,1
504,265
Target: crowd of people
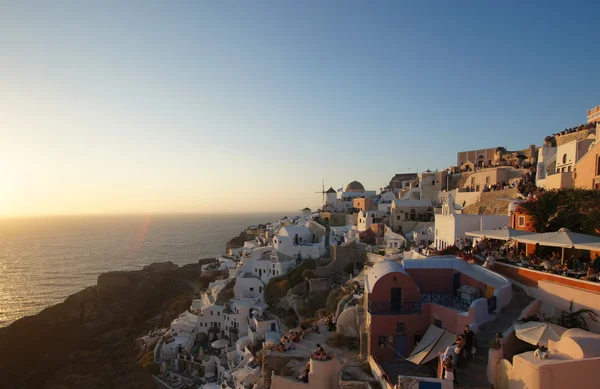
x,y
458,354
572,130
295,336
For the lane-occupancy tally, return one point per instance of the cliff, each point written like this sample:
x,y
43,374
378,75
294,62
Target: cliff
x,y
492,203
238,241
88,340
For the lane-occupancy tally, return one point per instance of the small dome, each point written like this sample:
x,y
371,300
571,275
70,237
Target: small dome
x,y
355,186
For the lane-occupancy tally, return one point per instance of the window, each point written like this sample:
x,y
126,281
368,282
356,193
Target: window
x,y
211,313
598,165
401,327
260,289
382,341
438,323
521,222
564,158
487,180
251,289
472,180
397,217
218,313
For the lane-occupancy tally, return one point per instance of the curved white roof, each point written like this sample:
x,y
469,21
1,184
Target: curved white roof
x,y
451,262
380,269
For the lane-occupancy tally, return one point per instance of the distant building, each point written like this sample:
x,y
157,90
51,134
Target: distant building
x,y
587,169
450,225
402,181
593,115
480,157
403,300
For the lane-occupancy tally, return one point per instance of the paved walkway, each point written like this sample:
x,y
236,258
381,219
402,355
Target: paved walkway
x,y
474,374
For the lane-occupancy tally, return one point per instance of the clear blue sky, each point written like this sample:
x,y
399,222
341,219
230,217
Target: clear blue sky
x,y
118,106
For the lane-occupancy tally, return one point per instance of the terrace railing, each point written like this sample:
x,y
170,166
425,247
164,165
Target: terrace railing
x,y
414,308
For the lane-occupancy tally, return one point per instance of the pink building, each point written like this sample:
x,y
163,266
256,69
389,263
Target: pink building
x,y
404,298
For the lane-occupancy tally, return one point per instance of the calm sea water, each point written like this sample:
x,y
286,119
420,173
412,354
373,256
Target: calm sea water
x,y
43,261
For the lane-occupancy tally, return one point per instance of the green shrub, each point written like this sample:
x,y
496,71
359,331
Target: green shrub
x,y
333,299
309,273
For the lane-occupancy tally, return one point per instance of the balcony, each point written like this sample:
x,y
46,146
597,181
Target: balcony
x,y
414,308
387,308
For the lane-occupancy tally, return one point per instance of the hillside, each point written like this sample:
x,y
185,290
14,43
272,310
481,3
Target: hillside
x,y
492,203
88,340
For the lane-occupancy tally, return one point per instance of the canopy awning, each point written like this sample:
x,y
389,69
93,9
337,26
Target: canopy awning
x,y
501,234
561,238
434,341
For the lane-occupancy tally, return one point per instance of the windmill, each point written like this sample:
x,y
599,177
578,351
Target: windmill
x,y
323,192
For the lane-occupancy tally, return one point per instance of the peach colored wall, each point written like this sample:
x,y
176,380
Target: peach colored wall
x,y
466,280
580,374
381,290
363,204
585,169
385,325
514,219
531,277
451,319
558,181
438,280
556,298
472,155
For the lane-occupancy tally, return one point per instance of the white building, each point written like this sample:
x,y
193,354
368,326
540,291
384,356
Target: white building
x,y
450,225
248,285
393,241
367,218
297,240
353,190
267,265
385,201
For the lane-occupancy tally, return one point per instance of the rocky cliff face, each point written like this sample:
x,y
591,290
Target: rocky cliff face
x,y
88,340
238,241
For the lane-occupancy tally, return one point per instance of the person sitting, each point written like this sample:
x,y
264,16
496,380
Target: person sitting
x,y
489,262
541,352
547,265
319,352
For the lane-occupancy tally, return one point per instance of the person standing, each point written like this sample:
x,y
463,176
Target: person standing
x,y
469,337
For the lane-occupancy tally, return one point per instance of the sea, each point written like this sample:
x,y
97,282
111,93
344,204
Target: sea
x,y
44,260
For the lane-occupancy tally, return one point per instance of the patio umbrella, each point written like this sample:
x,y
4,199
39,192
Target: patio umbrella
x,y
562,238
536,332
221,343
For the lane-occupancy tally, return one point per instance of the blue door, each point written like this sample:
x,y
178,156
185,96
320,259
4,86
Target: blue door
x,y
400,346
430,385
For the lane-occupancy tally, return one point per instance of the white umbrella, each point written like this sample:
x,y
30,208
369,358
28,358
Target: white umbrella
x,y
561,238
221,343
535,332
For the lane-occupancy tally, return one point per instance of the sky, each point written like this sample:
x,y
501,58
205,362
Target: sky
x,y
227,106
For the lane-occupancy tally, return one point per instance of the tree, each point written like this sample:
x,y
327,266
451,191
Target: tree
x,y
575,209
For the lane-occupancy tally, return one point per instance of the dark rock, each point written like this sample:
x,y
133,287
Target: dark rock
x,y
88,340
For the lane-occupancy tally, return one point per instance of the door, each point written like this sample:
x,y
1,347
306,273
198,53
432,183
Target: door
x,y
430,385
456,283
260,272
400,345
273,327
396,299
